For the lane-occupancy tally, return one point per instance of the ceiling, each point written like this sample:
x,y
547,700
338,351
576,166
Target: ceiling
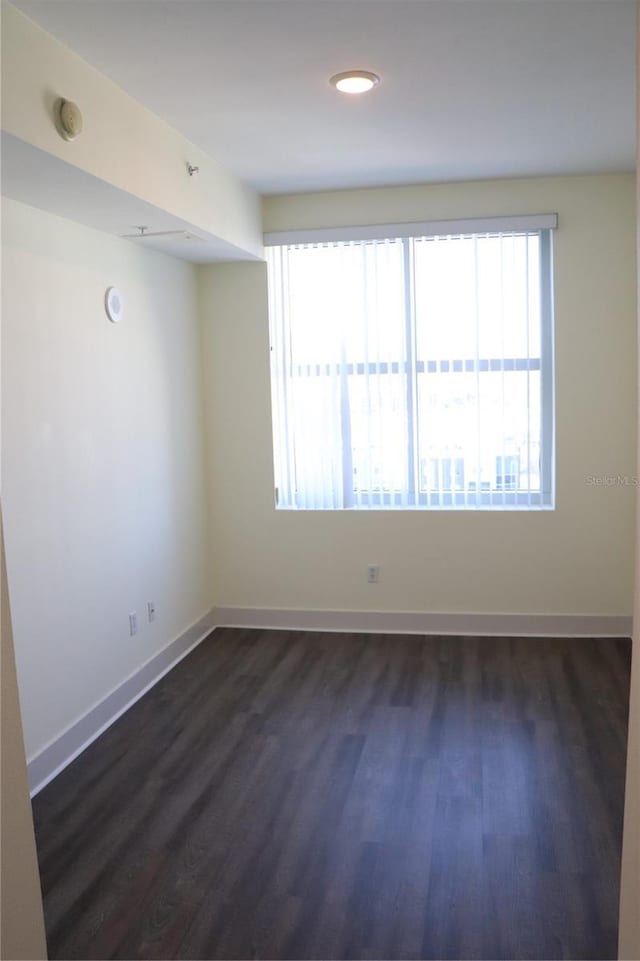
x,y
469,89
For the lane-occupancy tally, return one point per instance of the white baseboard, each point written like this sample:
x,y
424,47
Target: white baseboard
x,y
420,622
65,747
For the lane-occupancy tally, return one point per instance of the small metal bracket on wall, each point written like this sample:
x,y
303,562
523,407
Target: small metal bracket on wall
x,y
192,169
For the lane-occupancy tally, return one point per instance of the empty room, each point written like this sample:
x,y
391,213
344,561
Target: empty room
x,y
319,480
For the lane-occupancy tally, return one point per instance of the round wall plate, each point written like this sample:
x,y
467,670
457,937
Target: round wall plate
x,y
113,304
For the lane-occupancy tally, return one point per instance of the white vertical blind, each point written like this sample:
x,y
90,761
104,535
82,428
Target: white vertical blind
x,y
408,372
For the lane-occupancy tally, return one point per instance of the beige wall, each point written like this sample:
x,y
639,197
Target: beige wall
x,y
629,933
576,560
103,468
22,929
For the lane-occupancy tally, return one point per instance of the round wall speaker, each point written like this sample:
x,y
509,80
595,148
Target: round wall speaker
x,y
113,304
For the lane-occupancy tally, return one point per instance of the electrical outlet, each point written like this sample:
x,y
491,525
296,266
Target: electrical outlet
x,y
373,573
133,623
151,610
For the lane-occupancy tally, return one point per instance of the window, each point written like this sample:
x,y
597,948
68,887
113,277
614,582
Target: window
x,y
414,371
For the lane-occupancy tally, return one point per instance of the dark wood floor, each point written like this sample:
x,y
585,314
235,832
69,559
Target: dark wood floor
x,y
290,795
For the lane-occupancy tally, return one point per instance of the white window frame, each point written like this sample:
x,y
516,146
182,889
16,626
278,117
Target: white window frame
x,y
443,499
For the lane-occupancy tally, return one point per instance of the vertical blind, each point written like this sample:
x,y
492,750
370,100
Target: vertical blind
x,y
413,371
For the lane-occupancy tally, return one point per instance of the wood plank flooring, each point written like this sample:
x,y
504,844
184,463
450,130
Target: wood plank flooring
x,y
299,795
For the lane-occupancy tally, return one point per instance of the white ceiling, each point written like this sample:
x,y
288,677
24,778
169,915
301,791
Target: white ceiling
x,y
470,88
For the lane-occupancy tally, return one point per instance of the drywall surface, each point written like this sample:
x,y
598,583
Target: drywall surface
x,y
629,928
577,559
122,142
103,469
21,902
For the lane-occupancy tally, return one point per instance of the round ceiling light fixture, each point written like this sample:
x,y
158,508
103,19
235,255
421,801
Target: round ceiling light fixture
x,y
355,81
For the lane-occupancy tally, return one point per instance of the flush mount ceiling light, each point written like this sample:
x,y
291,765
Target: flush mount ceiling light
x,y
355,81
